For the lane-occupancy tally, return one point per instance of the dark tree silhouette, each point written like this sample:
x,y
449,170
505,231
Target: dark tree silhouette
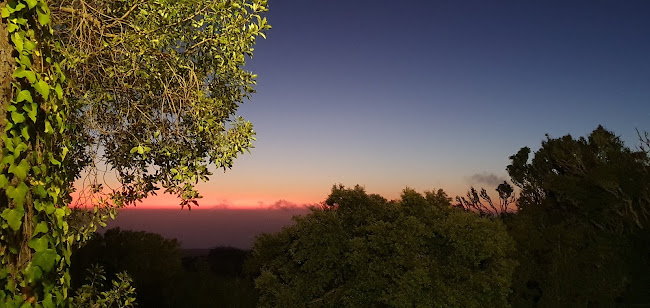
x,y
227,261
360,250
153,262
482,202
582,226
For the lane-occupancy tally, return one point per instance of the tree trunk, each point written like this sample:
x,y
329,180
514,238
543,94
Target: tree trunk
x,y
7,66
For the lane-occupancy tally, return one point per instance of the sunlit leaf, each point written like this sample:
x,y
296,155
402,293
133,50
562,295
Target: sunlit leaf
x,y
42,88
24,95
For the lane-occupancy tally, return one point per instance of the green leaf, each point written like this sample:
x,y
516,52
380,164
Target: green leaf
x,y
17,117
25,73
19,148
24,95
59,121
42,88
40,190
59,213
17,39
39,244
48,127
33,273
11,27
25,133
20,170
133,150
14,218
7,159
64,152
49,208
29,45
45,259
59,91
43,15
54,161
25,60
41,228
15,6
17,194
47,302
31,3
3,181
32,110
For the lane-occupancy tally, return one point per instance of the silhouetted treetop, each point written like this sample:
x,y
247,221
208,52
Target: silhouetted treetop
x,y
597,177
361,250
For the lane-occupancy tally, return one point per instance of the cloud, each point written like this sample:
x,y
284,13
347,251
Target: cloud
x,y
222,206
286,205
487,179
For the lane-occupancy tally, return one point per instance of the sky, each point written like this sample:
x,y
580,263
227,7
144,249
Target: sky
x,y
428,94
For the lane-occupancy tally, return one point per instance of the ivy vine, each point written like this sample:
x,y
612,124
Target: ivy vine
x,y
35,240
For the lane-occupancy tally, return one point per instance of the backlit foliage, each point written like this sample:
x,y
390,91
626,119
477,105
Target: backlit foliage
x,y
146,89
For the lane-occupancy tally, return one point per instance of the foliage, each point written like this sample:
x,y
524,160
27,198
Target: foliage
x,y
90,295
597,178
152,261
35,172
213,279
148,89
360,250
217,280
474,201
581,229
157,83
227,261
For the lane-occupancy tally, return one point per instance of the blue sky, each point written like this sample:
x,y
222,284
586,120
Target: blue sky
x,y
429,94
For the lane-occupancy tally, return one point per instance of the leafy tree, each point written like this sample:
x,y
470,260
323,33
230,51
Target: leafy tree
x,y
581,229
595,177
360,250
227,261
153,262
217,280
147,89
90,295
482,202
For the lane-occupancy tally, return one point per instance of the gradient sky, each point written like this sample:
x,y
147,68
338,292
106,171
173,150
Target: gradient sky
x,y
429,94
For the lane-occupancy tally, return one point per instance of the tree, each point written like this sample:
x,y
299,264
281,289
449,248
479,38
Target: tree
x,y
147,89
95,294
581,228
360,250
153,262
474,201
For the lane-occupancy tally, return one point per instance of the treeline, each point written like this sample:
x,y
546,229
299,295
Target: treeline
x,y
576,236
163,274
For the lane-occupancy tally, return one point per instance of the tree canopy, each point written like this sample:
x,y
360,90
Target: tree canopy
x,y
157,84
581,228
360,250
146,90
597,178
152,261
